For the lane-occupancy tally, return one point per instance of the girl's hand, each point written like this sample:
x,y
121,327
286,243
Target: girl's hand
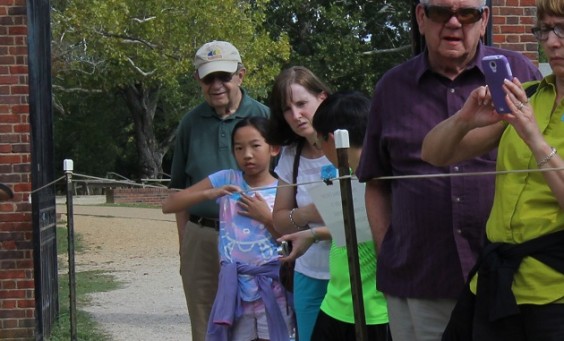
x,y
214,193
255,207
301,241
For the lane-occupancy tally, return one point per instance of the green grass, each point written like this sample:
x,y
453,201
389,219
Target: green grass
x,y
63,243
87,282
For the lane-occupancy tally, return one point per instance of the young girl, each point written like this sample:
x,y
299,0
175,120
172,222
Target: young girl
x,y
255,308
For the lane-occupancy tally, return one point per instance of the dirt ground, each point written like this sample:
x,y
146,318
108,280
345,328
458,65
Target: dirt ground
x,y
139,247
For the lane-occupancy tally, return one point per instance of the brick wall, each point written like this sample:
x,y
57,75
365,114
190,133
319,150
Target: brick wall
x,y
17,296
147,196
512,22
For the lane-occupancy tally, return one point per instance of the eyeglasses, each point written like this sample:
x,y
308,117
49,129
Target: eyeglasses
x,y
541,33
223,77
465,15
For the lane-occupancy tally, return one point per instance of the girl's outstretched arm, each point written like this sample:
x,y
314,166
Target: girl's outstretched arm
x,y
195,194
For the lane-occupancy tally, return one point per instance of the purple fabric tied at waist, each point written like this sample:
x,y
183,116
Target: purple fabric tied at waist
x,y
227,305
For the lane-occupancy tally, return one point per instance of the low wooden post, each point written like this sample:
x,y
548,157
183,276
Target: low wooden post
x,y
342,145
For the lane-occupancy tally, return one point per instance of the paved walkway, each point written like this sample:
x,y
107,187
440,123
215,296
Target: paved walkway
x,y
139,247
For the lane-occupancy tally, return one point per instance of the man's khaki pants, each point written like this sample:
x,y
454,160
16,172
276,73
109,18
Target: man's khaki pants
x,y
199,268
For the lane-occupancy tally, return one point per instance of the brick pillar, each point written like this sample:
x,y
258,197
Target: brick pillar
x,y
17,296
512,22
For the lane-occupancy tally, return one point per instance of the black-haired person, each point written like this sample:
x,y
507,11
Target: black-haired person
x,y
251,303
335,322
520,281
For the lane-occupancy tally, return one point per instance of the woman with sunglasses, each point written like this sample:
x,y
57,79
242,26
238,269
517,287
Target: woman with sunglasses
x,y
428,232
519,285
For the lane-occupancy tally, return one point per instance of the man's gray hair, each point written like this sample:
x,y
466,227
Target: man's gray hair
x,y
426,2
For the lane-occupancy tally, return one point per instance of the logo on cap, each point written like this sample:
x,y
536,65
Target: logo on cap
x,y
215,54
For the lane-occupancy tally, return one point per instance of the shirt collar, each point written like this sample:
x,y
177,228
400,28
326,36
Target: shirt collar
x,y
423,66
548,81
210,112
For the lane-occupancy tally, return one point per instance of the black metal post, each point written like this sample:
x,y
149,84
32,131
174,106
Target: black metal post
x,y
68,169
342,144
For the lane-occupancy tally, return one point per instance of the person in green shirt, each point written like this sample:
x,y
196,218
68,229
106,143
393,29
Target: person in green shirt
x,y
202,147
343,110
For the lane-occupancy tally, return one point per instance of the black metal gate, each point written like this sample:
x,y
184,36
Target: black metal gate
x,y
42,172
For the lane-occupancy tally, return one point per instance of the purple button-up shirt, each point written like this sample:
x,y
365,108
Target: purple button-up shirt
x,y
436,225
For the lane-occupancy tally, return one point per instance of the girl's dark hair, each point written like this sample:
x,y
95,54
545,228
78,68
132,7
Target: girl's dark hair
x,y
259,123
280,132
343,110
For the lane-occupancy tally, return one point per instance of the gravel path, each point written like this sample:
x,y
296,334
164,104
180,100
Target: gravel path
x,y
138,246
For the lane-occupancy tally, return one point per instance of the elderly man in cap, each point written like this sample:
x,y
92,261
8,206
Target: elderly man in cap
x,y
203,146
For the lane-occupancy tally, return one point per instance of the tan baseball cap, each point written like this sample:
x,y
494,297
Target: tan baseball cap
x,y
216,56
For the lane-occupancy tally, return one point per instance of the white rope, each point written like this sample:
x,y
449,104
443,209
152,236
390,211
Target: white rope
x,y
326,181
452,175
416,176
47,185
121,182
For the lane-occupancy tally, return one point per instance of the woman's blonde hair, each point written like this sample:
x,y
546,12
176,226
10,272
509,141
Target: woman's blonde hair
x,y
549,7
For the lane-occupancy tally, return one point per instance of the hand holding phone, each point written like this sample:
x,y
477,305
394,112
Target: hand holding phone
x,y
285,248
497,69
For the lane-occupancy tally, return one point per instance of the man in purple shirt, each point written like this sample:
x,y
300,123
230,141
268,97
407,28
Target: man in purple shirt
x,y
428,232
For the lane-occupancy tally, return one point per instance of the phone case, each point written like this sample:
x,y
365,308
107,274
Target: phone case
x,y
496,69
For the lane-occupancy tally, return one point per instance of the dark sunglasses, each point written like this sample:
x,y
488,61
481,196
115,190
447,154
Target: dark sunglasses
x,y
541,33
223,77
464,15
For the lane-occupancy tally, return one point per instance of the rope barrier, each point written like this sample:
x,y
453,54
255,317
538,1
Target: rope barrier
x,y
415,176
327,181
104,180
447,175
47,185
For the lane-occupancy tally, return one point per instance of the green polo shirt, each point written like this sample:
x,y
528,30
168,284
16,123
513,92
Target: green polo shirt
x,y
203,147
524,206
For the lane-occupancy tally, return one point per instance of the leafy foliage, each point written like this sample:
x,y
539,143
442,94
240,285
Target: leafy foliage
x,y
123,74
344,41
142,52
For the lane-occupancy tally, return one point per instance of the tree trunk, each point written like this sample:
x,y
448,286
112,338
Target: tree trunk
x,y
142,104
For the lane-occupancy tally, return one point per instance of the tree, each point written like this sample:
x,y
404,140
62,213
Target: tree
x,y
142,51
348,43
